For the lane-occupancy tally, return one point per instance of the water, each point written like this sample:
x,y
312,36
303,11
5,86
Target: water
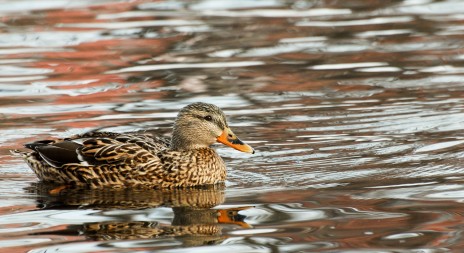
x,y
355,109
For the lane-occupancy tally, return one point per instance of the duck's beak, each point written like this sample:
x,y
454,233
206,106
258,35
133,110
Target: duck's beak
x,y
230,139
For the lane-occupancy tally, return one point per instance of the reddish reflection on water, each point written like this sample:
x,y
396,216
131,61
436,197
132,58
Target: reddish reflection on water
x,y
355,109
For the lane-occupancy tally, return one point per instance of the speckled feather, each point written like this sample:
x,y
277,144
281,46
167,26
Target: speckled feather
x,y
136,159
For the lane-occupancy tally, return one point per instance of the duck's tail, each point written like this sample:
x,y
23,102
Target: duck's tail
x,y
43,170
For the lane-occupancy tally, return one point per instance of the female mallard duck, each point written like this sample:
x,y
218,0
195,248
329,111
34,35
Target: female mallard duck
x,y
99,159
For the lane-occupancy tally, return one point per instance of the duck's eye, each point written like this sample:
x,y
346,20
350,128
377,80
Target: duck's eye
x,y
208,118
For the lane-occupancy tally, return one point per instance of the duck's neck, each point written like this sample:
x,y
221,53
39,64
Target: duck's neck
x,y
180,142
177,145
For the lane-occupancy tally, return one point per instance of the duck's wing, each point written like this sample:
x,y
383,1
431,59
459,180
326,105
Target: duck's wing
x,y
95,148
110,151
94,162
94,158
146,141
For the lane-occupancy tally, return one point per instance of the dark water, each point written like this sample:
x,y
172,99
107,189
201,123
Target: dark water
x,y
355,108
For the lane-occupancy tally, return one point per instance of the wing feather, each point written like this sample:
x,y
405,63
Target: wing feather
x,y
109,151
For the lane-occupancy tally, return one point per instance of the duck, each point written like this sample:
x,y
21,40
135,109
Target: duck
x,y
99,159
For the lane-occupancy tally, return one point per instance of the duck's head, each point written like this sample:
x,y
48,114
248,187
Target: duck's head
x,y
200,125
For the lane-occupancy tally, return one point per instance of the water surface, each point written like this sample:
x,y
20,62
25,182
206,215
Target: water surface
x,y
355,109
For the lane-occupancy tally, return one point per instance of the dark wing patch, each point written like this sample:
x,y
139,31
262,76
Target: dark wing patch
x,y
56,154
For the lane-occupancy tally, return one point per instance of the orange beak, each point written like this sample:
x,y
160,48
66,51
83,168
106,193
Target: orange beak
x,y
230,139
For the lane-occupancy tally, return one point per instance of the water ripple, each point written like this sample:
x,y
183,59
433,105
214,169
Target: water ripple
x,y
189,66
372,21
278,13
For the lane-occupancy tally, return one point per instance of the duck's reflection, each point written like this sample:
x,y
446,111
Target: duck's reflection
x,y
195,221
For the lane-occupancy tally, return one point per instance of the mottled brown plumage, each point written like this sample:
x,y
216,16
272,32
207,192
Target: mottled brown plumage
x,y
99,159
